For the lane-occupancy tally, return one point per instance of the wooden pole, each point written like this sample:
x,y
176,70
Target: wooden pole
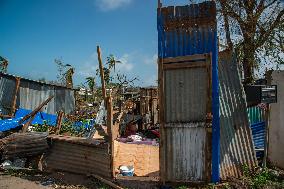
x,y
110,132
102,73
18,81
266,141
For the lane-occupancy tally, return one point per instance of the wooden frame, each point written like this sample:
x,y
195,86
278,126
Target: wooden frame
x,y
184,62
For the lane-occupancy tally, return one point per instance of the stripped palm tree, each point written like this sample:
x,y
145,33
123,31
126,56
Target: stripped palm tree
x,y
111,62
3,64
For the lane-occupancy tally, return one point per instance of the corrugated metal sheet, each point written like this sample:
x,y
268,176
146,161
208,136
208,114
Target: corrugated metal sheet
x,y
185,95
256,114
185,146
7,90
237,147
32,93
23,145
187,152
78,155
258,135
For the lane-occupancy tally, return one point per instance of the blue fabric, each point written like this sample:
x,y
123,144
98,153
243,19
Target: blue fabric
x,y
86,124
40,118
8,124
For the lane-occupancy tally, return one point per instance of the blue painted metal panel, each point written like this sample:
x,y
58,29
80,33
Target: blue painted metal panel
x,y
257,125
177,37
258,135
216,115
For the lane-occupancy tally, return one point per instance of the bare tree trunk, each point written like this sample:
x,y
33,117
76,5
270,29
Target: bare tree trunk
x,y
248,62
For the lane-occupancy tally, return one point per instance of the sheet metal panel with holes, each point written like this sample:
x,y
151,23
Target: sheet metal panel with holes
x,y
32,93
237,148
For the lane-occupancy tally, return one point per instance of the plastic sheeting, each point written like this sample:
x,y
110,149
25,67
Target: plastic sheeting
x,y
40,118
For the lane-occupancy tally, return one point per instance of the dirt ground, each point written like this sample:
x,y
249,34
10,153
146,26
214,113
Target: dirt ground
x,y
12,182
36,180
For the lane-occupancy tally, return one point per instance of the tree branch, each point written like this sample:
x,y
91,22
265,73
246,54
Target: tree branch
x,y
265,34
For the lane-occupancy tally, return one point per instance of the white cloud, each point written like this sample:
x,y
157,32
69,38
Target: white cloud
x,y
107,5
151,60
125,65
89,67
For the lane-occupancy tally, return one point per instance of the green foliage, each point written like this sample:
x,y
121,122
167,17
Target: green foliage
x,y
182,187
91,81
40,127
262,178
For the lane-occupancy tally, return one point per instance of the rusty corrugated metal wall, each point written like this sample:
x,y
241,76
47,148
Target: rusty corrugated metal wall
x,y
32,93
78,155
237,147
186,33
7,91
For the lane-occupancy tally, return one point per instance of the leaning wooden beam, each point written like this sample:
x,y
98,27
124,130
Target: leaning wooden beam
x,y
32,115
102,73
107,182
13,109
59,121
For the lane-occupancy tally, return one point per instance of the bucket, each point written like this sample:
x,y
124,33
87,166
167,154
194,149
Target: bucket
x,y
127,170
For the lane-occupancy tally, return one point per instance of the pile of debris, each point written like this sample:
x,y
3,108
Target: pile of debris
x,y
22,147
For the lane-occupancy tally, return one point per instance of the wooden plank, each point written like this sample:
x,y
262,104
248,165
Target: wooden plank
x,y
13,109
184,65
161,117
109,131
106,182
189,58
32,115
59,121
102,73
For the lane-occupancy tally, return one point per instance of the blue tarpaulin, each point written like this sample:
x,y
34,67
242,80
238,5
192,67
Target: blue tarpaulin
x,y
40,118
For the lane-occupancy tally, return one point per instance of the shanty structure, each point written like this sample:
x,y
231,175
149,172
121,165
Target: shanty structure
x,y
17,92
205,133
149,102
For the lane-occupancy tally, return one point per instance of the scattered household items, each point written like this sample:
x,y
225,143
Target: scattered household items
x,y
23,145
144,158
16,164
126,170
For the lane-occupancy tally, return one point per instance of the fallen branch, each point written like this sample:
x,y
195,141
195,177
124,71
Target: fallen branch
x,y
106,181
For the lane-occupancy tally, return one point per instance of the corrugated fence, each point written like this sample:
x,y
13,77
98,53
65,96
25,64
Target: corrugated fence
x,y
32,93
184,87
237,147
79,155
257,125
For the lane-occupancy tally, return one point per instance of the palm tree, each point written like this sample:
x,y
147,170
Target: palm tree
x,y
112,62
91,81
